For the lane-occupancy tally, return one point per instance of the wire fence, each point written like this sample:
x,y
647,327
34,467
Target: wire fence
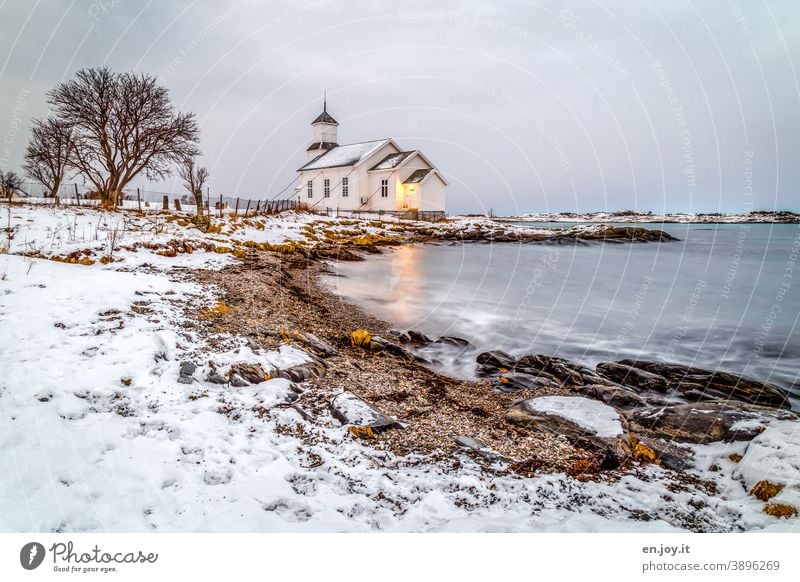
x,y
155,201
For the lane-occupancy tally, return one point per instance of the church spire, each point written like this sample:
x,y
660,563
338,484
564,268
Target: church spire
x,y
324,117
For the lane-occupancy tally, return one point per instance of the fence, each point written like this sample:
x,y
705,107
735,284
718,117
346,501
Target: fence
x,y
152,200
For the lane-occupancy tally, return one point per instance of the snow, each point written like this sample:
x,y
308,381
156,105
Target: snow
x,y
774,456
391,161
97,434
594,416
346,155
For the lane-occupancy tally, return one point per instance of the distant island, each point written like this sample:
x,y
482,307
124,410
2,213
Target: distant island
x,y
756,216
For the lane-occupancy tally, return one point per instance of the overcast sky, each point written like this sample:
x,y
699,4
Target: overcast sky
x,y
528,107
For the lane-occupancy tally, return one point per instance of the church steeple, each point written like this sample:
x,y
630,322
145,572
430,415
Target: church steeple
x,y
325,132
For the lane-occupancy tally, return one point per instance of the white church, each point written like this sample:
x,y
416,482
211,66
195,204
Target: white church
x,y
368,177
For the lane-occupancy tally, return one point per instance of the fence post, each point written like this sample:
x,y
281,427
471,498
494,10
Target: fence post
x,y
77,196
139,199
258,206
236,210
220,205
165,203
246,210
177,205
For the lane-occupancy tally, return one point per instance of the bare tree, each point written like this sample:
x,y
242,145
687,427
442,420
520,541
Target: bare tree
x,y
10,184
123,125
48,153
194,178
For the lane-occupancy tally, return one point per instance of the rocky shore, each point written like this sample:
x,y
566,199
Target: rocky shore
x,y
214,359
525,416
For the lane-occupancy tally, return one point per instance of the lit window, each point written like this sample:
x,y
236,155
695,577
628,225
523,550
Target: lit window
x,y
384,188
345,187
326,188
310,187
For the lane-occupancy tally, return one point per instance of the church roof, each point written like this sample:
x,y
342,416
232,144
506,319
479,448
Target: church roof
x,y
417,176
324,117
392,161
345,155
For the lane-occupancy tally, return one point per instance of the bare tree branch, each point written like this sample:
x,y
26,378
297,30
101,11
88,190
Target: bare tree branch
x,y
194,178
10,184
48,153
123,125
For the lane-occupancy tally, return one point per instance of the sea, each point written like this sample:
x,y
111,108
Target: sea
x,y
723,297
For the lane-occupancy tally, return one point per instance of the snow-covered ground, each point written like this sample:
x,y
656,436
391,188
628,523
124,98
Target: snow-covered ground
x,y
97,434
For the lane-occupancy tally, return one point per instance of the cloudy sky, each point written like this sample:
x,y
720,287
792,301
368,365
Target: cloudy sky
x,y
532,106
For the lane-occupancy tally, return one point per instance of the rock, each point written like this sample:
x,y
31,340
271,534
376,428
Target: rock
x,y
453,341
492,362
704,422
513,381
477,446
320,347
300,373
400,336
216,378
379,344
696,383
560,368
349,409
253,345
185,375
631,376
243,374
618,397
668,454
418,337
410,337
585,423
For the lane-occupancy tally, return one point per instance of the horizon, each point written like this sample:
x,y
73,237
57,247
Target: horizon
x,y
523,108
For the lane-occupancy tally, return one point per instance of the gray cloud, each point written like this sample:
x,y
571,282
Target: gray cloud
x,y
525,106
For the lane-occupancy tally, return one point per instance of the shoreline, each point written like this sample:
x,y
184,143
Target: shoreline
x,y
436,409
230,354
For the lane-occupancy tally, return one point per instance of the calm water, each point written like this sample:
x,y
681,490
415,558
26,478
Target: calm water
x,y
725,296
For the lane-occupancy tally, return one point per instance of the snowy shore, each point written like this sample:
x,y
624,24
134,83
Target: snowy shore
x,y
106,428
763,216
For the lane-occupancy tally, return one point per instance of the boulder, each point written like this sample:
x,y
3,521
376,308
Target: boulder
x,y
668,454
696,384
560,368
351,410
318,346
616,396
585,423
492,362
216,378
300,373
185,376
418,337
453,341
632,376
513,381
243,374
704,422
410,337
379,344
